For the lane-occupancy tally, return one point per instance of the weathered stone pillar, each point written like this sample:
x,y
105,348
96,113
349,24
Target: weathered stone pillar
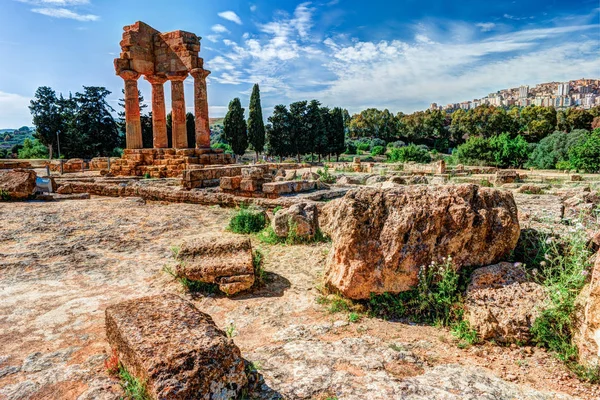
x,y
201,108
159,115
133,126
178,110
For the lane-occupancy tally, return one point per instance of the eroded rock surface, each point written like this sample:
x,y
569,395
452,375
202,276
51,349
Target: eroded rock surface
x,y
587,338
301,217
18,184
178,350
501,304
382,237
224,261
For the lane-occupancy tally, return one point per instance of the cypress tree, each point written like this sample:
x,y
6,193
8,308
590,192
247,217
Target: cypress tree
x,y
314,127
234,127
298,129
338,134
256,125
190,128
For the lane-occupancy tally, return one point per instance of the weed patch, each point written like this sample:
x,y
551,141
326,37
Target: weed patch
x,y
193,286
246,220
134,388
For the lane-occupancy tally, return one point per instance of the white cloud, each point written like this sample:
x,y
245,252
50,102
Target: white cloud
x,y
230,16
448,64
57,3
486,26
219,29
13,111
253,7
65,13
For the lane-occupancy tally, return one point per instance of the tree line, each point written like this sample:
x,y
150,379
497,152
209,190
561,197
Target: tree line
x,y
303,128
442,130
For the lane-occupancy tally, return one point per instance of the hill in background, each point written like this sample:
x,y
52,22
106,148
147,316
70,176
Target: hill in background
x,y
12,137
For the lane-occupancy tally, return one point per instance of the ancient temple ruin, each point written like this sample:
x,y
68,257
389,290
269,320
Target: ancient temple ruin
x,y
162,57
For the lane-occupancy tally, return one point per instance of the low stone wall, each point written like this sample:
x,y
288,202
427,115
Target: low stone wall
x,y
101,163
68,166
276,189
211,176
438,167
15,164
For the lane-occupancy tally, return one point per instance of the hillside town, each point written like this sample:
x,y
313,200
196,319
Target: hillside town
x,y
582,93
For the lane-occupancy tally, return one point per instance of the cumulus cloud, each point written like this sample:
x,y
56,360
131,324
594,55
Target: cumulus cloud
x,y
230,16
219,28
447,65
65,13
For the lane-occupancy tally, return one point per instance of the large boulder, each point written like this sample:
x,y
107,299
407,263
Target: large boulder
x,y
221,260
177,350
501,304
504,176
382,236
587,336
348,180
310,176
372,180
303,218
17,184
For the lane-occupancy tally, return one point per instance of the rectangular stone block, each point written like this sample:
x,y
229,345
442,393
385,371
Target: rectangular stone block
x,y
177,350
230,182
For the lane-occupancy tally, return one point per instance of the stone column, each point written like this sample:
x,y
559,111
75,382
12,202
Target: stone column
x,y
159,116
178,110
201,108
133,126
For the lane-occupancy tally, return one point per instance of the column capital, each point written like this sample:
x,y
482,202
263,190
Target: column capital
x,y
177,76
156,79
199,73
129,75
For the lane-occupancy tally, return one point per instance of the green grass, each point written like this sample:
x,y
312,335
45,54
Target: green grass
x,y
134,388
268,236
563,272
466,335
4,195
435,300
354,317
259,272
246,220
335,304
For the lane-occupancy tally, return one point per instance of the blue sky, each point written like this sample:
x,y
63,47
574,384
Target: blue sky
x,y
399,55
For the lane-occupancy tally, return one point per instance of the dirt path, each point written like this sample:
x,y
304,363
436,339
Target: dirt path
x,y
62,263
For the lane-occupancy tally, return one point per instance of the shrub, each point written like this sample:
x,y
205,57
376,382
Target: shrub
x,y
351,147
563,272
226,147
325,175
247,220
409,153
4,195
134,388
363,146
554,149
377,151
585,156
434,300
117,152
563,165
377,142
509,152
397,143
33,149
475,151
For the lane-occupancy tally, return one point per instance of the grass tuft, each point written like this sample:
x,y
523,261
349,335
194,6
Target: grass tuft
x,y
134,388
246,220
193,286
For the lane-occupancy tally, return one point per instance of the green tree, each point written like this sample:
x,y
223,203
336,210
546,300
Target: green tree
x,y
190,129
509,152
579,119
321,141
33,149
256,125
538,121
170,129
408,153
476,151
555,148
147,132
586,155
234,127
315,128
337,137
46,114
92,131
299,140
278,132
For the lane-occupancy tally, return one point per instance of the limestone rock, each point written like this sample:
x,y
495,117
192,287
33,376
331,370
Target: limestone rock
x,y
530,189
65,189
310,176
416,180
348,180
18,183
224,261
303,217
178,350
375,179
397,180
506,176
291,175
382,236
587,337
500,304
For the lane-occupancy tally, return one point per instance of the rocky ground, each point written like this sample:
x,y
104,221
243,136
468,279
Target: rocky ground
x,y
63,263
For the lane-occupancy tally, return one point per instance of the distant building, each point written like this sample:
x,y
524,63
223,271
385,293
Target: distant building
x,y
523,92
563,89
